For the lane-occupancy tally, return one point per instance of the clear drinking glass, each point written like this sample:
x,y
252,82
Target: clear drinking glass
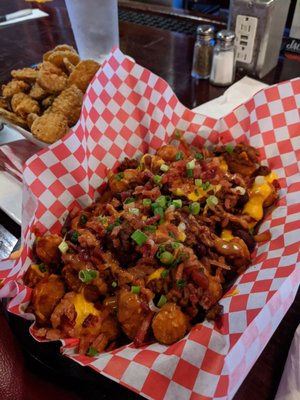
x,y
95,26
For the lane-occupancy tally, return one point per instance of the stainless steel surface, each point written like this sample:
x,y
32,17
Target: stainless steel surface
x,y
206,32
226,36
271,16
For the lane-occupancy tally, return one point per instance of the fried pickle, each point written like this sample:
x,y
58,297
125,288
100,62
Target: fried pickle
x,y
83,74
54,86
4,103
60,47
37,92
51,78
13,87
30,118
22,104
69,67
12,117
24,74
47,102
69,104
50,127
57,58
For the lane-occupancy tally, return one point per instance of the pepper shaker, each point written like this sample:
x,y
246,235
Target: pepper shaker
x,y
203,51
223,60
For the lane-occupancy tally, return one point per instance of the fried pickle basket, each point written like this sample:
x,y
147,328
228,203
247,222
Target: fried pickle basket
x,y
128,111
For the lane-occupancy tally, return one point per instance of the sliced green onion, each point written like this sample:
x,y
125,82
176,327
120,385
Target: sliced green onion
x,y
191,164
180,283
150,228
177,203
171,234
164,168
212,201
205,185
119,176
86,275
135,289
42,267
198,182
179,156
160,250
159,211
134,210
176,245
161,201
112,226
114,284
162,301
177,134
197,192
157,179
164,273
229,148
83,219
147,202
103,220
129,200
194,208
74,237
199,156
91,351
63,247
189,173
166,257
139,237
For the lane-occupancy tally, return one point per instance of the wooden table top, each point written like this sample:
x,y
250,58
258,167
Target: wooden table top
x,y
169,55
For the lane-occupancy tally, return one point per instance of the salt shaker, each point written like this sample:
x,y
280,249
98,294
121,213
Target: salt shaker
x,y
203,51
223,61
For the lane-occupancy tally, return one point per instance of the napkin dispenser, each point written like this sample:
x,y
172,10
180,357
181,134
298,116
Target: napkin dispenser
x,y
259,27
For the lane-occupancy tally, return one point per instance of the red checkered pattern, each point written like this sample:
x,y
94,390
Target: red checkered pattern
x,y
128,111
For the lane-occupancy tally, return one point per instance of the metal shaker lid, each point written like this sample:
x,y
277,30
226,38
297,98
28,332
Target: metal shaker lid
x,y
226,36
206,31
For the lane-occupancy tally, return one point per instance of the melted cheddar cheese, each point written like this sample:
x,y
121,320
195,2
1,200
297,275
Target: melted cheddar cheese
x,y
36,268
155,275
258,194
83,309
271,177
226,235
223,165
196,195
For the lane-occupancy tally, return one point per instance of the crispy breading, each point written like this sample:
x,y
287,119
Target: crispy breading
x,y
4,103
12,117
22,104
14,87
50,127
57,58
30,118
69,104
51,78
37,92
46,90
47,102
60,47
24,74
69,67
83,74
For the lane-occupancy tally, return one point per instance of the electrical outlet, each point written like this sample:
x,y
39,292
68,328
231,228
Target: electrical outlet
x,y
245,32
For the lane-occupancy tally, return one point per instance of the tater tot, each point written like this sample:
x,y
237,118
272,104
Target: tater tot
x,y
169,324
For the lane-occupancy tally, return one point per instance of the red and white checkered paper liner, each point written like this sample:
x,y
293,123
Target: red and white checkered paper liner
x,y
128,111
